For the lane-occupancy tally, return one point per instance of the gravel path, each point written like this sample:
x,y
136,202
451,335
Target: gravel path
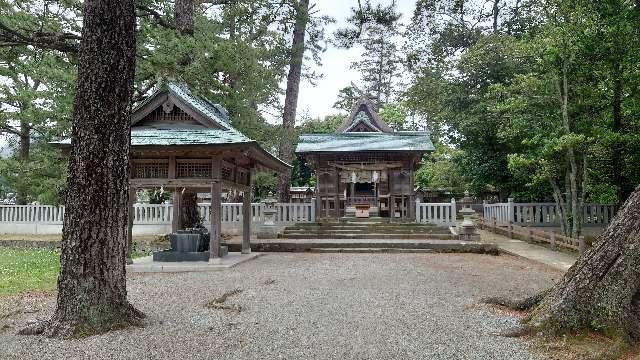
x,y
312,306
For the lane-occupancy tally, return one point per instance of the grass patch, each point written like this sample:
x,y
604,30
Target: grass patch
x,y
28,270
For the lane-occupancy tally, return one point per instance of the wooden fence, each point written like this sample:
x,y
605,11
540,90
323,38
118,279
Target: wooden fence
x,y
531,234
545,214
148,218
436,213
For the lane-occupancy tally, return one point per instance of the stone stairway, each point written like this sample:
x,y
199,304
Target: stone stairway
x,y
366,229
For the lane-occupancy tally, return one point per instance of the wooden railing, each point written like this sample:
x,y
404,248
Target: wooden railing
x,y
530,234
32,213
545,214
286,213
436,213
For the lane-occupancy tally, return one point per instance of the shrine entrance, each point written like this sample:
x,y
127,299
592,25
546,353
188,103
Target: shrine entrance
x,y
365,169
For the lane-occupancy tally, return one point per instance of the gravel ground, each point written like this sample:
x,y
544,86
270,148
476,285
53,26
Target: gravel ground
x,y
310,306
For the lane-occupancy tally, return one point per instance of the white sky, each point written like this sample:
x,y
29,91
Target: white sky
x,y
317,100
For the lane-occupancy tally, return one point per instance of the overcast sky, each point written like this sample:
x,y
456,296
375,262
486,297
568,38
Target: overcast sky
x,y
317,101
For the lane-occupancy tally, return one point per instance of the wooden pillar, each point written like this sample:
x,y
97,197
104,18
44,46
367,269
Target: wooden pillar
x,y
216,209
246,215
337,193
132,201
175,211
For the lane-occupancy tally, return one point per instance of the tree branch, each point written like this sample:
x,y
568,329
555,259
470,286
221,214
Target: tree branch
x,y
158,18
64,42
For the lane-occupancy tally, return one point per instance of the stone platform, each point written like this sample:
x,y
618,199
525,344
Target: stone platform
x,y
146,264
367,245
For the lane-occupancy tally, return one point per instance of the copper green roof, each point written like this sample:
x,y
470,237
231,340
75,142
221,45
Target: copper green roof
x,y
364,141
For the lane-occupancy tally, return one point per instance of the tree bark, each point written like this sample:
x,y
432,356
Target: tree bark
x,y
183,10
189,210
92,293
601,291
291,96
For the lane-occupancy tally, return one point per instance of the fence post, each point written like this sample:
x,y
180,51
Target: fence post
x,y
454,212
510,230
417,210
510,212
313,209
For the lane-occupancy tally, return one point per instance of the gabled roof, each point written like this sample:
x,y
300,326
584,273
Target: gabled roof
x,y
201,109
364,112
212,126
365,141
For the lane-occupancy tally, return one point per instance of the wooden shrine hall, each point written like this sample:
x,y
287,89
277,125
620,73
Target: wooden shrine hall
x,y
365,169
182,142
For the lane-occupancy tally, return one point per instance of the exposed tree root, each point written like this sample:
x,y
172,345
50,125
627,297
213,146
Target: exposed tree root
x,y
92,323
219,303
517,304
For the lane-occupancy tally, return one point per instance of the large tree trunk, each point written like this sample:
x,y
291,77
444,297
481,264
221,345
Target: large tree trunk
x,y
601,291
291,96
92,292
183,10
190,217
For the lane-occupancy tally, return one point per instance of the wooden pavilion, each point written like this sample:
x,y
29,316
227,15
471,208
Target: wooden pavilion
x,y
182,142
365,169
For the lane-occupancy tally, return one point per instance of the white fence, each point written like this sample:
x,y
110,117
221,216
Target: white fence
x,y
545,214
148,218
436,213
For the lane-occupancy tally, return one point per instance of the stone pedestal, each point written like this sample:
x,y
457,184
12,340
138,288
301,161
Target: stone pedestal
x,y
268,229
467,229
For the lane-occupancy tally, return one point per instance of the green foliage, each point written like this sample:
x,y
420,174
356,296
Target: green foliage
x,y
42,178
28,270
155,196
264,183
441,170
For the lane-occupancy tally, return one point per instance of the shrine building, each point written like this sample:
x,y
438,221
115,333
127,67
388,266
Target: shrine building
x,y
365,168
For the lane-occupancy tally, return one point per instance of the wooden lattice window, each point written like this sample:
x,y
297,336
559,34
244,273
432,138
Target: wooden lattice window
x,y
193,168
150,169
226,173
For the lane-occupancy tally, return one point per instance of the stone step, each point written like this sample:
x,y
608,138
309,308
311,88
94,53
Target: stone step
x,y
371,251
409,236
441,246
351,234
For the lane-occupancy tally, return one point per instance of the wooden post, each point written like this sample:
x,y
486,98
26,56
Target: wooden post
x,y
216,208
246,215
337,193
552,238
132,201
392,207
510,229
529,234
175,221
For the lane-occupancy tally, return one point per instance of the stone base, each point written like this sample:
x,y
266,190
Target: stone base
x,y
178,256
267,232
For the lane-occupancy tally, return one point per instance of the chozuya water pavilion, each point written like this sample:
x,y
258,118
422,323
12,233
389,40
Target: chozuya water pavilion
x,y
365,169
183,142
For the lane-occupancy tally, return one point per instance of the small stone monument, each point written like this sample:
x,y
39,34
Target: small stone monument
x,y
467,229
268,229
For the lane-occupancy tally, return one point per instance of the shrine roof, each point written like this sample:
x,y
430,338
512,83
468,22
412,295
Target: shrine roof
x,y
365,141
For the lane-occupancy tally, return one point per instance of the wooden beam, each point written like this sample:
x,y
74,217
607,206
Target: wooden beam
x,y
246,215
175,220
216,209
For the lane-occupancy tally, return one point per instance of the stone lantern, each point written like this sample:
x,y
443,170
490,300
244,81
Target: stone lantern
x,y
268,229
467,229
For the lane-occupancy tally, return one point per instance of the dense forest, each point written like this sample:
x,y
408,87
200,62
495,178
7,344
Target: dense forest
x,y
537,100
